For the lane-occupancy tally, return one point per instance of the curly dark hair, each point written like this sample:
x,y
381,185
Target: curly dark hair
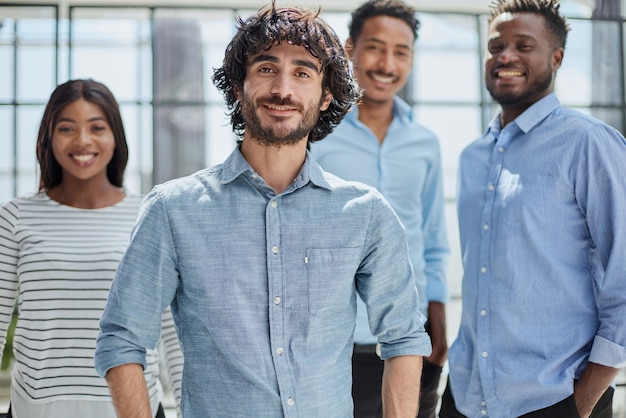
x,y
271,27
549,9
373,8
66,93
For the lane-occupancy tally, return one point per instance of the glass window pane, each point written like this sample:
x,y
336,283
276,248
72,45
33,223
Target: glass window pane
x,y
447,61
36,72
453,137
28,119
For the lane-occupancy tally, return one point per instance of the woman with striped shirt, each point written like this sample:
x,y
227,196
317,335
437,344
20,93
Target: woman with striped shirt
x,y
59,249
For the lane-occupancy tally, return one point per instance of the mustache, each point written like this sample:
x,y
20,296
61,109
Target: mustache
x,y
278,101
383,74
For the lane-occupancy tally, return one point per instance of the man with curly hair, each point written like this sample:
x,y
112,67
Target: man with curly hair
x,y
262,257
379,143
541,216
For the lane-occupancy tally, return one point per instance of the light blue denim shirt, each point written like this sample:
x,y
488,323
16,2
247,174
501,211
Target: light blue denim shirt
x,y
542,213
406,169
263,289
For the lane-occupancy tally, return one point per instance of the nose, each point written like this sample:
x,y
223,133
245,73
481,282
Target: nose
x,y
505,56
83,137
282,85
387,62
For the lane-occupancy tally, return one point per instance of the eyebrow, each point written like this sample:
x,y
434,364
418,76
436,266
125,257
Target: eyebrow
x,y
380,41
94,119
299,62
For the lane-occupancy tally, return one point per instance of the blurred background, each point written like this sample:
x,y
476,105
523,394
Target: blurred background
x,y
157,58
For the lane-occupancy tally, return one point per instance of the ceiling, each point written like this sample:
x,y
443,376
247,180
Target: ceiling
x,y
423,5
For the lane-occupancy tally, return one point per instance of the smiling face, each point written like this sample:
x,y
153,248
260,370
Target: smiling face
x,y
521,61
83,142
282,95
382,57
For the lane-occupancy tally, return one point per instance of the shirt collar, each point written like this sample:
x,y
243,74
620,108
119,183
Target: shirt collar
x,y
401,110
235,165
531,116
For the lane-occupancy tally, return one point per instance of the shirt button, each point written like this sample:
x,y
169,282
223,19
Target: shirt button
x,y
291,402
274,204
500,149
483,403
483,412
491,187
276,300
486,227
483,312
484,354
483,269
280,351
275,249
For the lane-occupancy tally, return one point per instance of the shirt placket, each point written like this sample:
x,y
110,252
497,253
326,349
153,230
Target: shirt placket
x,y
484,345
276,287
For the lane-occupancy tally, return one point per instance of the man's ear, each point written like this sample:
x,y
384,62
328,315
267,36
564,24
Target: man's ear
x,y
328,97
349,47
237,92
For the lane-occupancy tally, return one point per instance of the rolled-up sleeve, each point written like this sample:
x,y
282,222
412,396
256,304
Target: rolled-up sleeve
x,y
601,193
144,286
386,284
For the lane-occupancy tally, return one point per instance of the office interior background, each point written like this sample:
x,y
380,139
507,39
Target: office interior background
x,y
157,58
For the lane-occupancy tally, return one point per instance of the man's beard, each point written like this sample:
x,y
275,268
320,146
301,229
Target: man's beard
x,y
540,85
278,134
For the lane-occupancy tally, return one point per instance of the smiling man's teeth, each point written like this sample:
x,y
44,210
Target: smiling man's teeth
x,y
509,74
83,158
383,79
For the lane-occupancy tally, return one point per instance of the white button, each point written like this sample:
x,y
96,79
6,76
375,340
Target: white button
x,y
483,269
254,176
491,187
483,412
485,354
483,403
275,249
500,149
274,204
483,312
486,227
276,300
291,402
280,351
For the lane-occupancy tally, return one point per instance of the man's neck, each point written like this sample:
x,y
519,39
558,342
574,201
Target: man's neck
x,y
277,165
377,116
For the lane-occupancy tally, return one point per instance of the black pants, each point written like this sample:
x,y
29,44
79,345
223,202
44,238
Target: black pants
x,y
160,412
564,409
367,378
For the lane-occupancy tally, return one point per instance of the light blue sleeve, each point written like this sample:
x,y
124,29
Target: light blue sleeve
x,y
386,285
601,194
144,285
436,248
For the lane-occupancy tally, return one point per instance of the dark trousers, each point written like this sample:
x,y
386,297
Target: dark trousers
x,y
160,412
367,378
564,409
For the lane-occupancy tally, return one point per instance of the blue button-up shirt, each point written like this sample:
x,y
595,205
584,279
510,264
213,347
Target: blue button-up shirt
x,y
263,289
406,169
542,219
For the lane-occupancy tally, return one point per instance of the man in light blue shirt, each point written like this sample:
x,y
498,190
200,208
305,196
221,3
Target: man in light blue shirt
x,y
379,144
262,257
542,220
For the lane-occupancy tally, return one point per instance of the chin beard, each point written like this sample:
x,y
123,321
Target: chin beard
x,y
277,134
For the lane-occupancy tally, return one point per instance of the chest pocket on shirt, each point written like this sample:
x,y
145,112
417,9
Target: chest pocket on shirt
x,y
330,279
529,199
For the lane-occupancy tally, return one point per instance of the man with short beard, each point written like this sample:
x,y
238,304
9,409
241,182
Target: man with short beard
x,y
541,216
379,143
262,257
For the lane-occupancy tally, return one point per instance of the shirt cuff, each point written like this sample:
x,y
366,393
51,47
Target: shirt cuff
x,y
607,353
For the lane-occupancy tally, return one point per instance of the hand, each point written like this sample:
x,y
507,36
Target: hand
x,y
438,333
